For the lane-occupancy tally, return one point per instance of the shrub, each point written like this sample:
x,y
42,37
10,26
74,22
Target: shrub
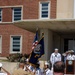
x,y
17,57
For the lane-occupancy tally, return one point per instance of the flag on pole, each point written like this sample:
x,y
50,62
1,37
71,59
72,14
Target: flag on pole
x,y
35,42
37,52
41,44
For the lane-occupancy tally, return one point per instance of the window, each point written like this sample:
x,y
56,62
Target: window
x,y
16,44
17,14
0,15
44,9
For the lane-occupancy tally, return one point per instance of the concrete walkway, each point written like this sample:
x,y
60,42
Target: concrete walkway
x,y
10,66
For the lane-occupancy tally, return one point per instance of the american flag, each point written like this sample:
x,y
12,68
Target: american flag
x,y
38,49
35,42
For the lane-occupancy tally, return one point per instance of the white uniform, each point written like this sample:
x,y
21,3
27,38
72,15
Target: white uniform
x,y
30,68
55,57
70,57
3,73
38,71
48,72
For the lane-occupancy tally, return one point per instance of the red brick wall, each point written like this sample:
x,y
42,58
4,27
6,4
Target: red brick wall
x,y
7,30
6,15
30,8
53,8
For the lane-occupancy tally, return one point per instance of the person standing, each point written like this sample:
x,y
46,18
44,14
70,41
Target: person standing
x,y
55,56
46,70
20,70
38,69
71,55
30,67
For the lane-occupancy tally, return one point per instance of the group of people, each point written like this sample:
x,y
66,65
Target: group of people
x,y
57,65
56,56
26,69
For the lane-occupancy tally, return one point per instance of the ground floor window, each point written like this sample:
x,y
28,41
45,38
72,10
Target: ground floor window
x,y
16,44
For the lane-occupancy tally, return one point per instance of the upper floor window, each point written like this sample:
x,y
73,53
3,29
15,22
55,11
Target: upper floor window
x,y
44,10
0,15
17,14
16,44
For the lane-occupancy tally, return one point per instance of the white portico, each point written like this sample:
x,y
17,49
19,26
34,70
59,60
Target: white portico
x,y
58,33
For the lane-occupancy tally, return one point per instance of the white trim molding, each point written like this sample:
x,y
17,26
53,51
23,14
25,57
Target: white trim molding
x,y
11,6
0,43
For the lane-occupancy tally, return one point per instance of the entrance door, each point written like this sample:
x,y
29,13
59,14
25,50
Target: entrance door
x,y
69,44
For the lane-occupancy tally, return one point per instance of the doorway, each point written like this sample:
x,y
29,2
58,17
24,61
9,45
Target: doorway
x,y
69,44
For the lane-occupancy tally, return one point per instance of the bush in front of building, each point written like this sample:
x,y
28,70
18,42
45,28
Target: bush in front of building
x,y
17,57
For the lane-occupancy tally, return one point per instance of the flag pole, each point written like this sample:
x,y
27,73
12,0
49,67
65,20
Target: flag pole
x,y
37,29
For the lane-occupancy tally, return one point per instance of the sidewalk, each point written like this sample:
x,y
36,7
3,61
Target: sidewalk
x,y
3,58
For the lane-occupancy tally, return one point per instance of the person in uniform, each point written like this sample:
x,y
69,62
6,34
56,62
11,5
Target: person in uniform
x,y
65,56
46,70
38,70
21,71
31,67
70,55
55,57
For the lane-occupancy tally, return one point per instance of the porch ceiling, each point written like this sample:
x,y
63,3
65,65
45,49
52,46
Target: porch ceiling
x,y
57,25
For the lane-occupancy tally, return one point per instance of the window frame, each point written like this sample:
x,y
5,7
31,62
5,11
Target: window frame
x,y
1,44
11,48
13,14
40,7
1,14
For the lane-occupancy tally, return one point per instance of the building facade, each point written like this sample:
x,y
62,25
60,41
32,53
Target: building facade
x,y
55,18
13,39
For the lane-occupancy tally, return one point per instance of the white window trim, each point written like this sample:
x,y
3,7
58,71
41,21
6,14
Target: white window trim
x,y
48,9
11,44
21,14
11,6
1,43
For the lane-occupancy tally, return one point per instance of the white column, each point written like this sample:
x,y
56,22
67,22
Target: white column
x,y
47,43
74,10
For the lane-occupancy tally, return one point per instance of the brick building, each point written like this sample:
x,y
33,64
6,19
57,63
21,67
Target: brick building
x,y
13,39
55,18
